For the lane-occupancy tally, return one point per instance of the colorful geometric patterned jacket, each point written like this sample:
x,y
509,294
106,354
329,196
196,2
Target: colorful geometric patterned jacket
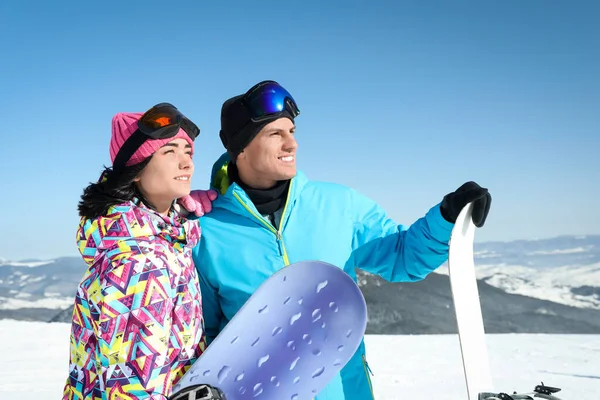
x,y
137,322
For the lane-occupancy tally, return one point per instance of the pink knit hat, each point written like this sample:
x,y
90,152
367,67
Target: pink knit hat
x,y
123,126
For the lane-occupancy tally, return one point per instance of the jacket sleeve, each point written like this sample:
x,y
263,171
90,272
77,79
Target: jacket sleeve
x,y
394,252
212,311
135,304
211,308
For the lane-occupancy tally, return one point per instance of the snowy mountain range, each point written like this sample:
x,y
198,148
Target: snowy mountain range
x,y
556,278
45,285
564,269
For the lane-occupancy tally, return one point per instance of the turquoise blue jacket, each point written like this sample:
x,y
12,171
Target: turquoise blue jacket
x,y
240,249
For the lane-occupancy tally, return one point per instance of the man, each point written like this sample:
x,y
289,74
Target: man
x,y
269,215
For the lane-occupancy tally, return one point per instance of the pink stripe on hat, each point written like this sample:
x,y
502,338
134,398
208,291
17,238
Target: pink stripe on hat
x,y
123,126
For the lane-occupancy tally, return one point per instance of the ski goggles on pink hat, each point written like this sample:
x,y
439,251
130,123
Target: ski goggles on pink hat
x,y
163,121
267,99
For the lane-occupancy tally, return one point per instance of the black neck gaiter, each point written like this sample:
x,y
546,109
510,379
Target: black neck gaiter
x,y
267,201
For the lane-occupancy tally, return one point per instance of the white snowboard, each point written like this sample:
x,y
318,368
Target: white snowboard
x,y
465,294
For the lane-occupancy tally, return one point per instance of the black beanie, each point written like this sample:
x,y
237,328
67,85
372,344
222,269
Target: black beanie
x,y
237,128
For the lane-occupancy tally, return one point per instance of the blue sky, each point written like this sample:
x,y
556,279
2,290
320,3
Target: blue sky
x,y
402,100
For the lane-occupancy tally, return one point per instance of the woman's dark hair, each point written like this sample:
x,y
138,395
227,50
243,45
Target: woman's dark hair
x,y
98,197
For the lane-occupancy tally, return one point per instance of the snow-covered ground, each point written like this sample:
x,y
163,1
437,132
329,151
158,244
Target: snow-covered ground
x,y
34,357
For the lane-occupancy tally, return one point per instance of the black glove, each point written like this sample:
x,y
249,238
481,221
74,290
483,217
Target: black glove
x,y
454,202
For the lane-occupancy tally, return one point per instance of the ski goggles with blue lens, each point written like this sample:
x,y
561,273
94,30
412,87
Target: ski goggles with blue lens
x,y
267,99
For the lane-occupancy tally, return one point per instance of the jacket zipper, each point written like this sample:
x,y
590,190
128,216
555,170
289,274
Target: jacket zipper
x,y
276,232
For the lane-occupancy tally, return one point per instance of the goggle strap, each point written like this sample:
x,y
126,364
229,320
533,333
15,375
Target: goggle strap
x,y
292,107
130,146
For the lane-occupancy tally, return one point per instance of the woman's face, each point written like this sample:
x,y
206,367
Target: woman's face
x,y
168,175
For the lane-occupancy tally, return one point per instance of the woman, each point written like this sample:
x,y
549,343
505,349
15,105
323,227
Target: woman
x,y
137,322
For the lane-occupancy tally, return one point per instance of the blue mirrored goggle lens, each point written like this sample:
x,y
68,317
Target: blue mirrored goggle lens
x,y
269,99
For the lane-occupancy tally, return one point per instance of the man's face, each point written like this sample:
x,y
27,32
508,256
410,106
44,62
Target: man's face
x,y
271,155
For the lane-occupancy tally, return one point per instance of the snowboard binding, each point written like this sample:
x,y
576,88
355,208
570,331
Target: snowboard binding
x,y
540,392
199,392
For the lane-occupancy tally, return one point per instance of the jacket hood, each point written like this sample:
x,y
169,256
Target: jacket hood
x,y
219,178
133,220
233,198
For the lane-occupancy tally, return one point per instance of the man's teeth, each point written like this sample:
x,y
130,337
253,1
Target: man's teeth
x,y
287,158
182,178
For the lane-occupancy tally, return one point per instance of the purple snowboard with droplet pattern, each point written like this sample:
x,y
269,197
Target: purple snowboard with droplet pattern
x,y
289,340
